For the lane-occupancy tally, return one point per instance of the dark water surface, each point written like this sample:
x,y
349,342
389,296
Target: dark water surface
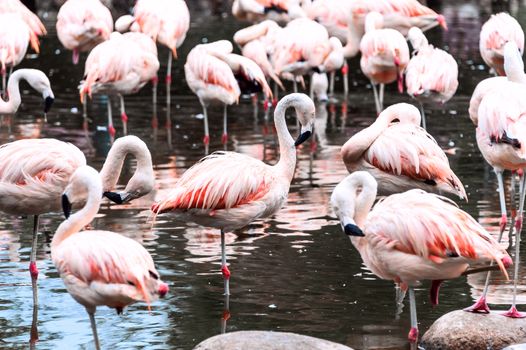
x,y
294,272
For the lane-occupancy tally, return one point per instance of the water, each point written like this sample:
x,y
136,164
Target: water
x,y
294,272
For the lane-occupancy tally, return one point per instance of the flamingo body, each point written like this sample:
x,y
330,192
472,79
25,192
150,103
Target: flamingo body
x,y
36,28
14,40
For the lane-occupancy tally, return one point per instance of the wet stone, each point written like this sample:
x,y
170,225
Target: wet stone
x,y
264,340
465,330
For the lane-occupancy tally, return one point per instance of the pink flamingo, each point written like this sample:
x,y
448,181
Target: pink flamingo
x,y
385,55
122,66
500,130
32,181
402,155
82,25
448,238
100,267
228,190
36,79
281,11
215,74
497,31
33,22
165,21
432,73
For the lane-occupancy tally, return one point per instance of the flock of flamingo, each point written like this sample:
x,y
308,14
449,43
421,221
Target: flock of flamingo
x,y
413,234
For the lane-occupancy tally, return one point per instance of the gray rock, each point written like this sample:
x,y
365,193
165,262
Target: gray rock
x,y
516,347
263,340
465,330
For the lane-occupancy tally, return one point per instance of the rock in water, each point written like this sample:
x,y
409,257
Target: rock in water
x,y
466,330
263,340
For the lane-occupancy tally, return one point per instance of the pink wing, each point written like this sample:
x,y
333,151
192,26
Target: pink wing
x,y
36,27
250,71
256,51
404,149
432,227
481,90
14,39
222,180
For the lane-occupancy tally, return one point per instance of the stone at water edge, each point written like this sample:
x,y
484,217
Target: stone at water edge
x,y
466,330
265,340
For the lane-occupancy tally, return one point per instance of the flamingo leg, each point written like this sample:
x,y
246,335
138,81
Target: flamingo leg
x,y
481,306
382,88
85,107
124,117
413,333
33,335
111,129
224,138
275,95
376,100
332,77
4,83
512,312
400,295
423,115
94,329
294,85
512,208
33,270
345,74
155,121
169,78
224,267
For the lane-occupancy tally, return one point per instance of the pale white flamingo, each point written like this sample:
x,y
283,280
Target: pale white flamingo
x,y
228,190
36,79
497,31
281,11
35,25
83,24
32,180
215,75
100,267
165,21
432,73
401,155
385,55
448,238
121,65
500,138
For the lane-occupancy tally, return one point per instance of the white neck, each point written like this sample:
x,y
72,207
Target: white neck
x,y
13,91
514,68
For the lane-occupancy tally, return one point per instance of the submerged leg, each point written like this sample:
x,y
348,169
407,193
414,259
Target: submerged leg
x,y
206,138
33,270
513,209
94,329
332,77
413,333
224,267
376,99
124,117
168,78
111,129
224,138
294,85
423,115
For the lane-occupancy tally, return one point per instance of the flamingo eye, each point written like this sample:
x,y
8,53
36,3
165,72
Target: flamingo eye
x,y
131,283
153,275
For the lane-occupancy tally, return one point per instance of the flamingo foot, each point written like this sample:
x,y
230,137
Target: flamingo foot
x,y
413,335
274,103
503,222
76,56
266,105
313,146
168,79
518,223
226,272
33,270
224,138
124,117
155,123
206,139
514,313
111,130
433,292
345,68
226,315
480,306
155,80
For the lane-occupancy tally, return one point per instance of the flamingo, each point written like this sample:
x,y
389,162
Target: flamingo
x,y
215,74
38,81
228,190
500,130
385,55
121,65
498,30
412,236
277,10
432,73
165,21
32,180
36,27
402,155
82,25
100,267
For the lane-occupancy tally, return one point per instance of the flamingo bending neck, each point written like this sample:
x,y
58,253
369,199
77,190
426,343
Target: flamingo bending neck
x,y
38,81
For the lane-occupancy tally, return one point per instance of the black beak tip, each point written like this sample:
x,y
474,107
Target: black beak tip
x,y
316,69
302,138
353,230
66,206
114,197
48,102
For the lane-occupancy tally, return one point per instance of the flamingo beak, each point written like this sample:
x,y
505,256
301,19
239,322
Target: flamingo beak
x,y
353,230
305,133
48,102
66,206
118,197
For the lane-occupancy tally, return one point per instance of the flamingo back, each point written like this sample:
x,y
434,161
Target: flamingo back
x,y
14,39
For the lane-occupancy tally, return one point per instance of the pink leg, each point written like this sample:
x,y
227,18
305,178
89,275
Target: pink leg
x,y
413,332
224,138
33,270
224,267
76,55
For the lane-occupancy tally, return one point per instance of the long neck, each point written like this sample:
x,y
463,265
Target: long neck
x,y
287,150
13,91
515,71
364,203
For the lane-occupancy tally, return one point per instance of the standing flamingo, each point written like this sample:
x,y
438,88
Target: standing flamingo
x,y
385,55
412,236
402,155
228,190
100,267
495,33
33,22
82,25
36,79
215,74
432,73
500,138
34,173
121,65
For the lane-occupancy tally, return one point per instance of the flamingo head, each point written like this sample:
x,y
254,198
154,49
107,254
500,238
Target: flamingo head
x,y
305,112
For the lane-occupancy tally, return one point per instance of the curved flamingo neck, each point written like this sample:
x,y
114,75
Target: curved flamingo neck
x,y
13,91
287,150
514,69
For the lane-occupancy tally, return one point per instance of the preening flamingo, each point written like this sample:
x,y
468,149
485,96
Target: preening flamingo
x,y
122,66
228,190
401,155
100,267
281,11
215,75
500,137
165,21
32,180
412,236
83,24
385,55
38,81
432,73
495,33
